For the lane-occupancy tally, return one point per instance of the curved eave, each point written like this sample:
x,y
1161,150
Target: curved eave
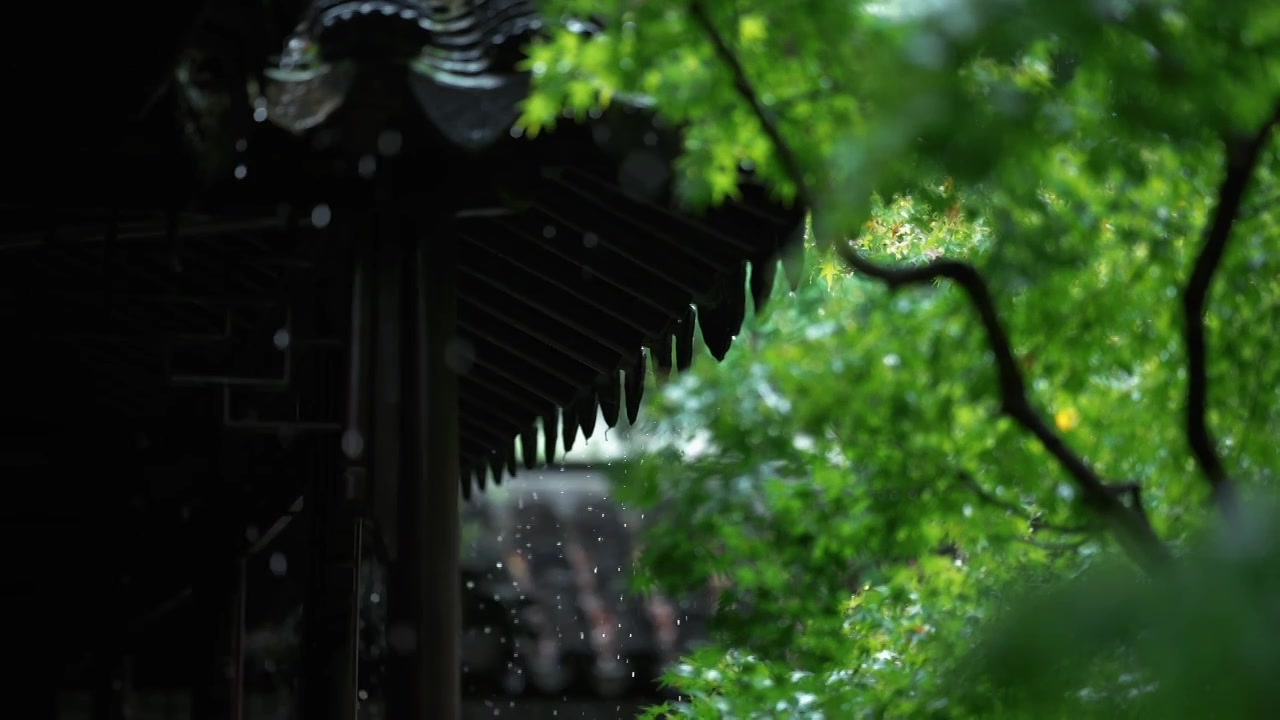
x,y
569,328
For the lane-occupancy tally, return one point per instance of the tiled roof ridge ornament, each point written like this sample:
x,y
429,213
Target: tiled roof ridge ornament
x,y
458,58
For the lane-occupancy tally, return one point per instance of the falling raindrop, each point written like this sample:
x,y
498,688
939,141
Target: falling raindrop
x,y
352,444
321,215
278,564
402,639
460,355
390,142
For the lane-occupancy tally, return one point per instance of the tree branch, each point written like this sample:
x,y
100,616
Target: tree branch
x,y
1034,521
1242,157
1130,524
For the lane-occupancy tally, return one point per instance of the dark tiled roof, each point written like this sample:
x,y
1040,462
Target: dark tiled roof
x,y
577,269
178,308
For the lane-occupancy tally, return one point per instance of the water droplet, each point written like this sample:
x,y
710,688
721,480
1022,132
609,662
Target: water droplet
x,y
321,215
390,142
402,639
352,443
460,355
278,564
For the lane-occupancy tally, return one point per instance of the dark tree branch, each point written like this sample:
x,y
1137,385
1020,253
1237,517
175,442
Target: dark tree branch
x,y
790,163
1057,547
1242,157
1130,524
1035,521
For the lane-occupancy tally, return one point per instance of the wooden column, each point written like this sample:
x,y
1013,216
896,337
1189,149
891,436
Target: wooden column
x,y
33,687
330,641
219,597
110,692
236,601
425,591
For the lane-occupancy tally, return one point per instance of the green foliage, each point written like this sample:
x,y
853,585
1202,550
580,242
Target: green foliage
x,y
858,491
878,99
849,434
1190,643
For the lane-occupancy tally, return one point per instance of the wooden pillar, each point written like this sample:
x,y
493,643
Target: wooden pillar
x,y
218,682
34,686
330,641
235,647
425,591
217,600
330,631
110,694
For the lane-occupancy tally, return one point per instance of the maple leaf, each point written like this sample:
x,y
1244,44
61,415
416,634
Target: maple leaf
x,y
828,271
752,29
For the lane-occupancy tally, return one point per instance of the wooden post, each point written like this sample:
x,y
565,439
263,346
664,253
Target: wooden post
x,y
329,634
218,690
236,621
35,685
425,592
330,642
109,692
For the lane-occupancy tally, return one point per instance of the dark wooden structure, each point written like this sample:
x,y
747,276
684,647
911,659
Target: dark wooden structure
x,y
346,293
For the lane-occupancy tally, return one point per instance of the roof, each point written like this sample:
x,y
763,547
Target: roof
x,y
174,266
577,267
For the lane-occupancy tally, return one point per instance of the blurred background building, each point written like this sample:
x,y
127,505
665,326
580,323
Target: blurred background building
x,y
552,626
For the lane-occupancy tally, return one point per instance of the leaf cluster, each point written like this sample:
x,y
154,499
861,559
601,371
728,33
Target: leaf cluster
x,y
857,444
